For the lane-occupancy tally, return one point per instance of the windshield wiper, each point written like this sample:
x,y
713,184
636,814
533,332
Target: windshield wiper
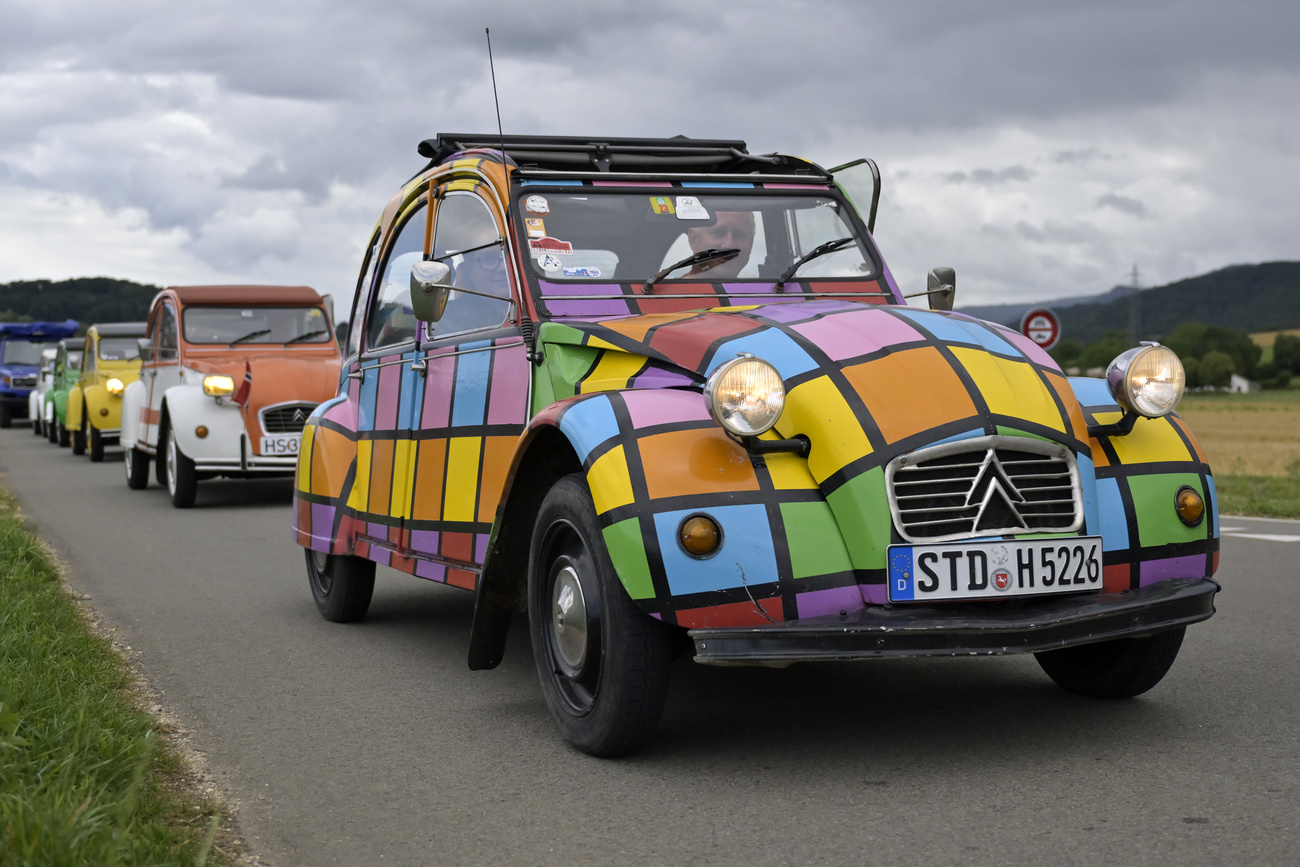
x,y
708,255
304,336
249,335
819,250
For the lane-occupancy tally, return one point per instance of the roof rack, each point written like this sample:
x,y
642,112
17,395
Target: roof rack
x,y
580,153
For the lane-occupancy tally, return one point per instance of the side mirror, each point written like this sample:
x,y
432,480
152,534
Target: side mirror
x,y
941,286
430,285
146,348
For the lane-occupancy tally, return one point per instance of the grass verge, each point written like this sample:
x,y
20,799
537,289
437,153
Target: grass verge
x,y
1262,496
85,778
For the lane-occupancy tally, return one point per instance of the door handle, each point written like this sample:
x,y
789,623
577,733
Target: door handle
x,y
356,374
421,367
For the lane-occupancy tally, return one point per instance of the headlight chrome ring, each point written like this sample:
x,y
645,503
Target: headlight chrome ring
x,y
1148,380
745,395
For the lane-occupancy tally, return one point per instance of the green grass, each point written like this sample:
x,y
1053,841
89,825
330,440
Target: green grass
x,y
84,778
1262,496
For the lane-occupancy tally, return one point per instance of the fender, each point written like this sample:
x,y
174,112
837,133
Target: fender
x,y
72,410
133,398
186,407
97,398
327,466
1138,477
643,452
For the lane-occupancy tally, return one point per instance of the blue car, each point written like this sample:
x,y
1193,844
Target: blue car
x,y
20,358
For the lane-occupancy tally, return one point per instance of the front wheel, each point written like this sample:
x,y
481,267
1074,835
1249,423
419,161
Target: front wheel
x,y
51,430
137,469
1121,668
37,427
79,438
603,663
96,449
65,436
341,584
182,481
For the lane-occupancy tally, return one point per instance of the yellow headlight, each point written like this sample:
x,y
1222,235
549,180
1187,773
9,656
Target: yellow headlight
x,y
218,385
745,395
1149,380
114,386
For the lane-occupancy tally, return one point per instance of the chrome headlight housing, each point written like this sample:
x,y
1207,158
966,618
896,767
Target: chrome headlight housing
x,y
114,386
745,396
1149,380
218,385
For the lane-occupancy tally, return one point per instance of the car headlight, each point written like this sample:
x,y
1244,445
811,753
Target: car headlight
x,y
218,385
1149,380
745,395
114,386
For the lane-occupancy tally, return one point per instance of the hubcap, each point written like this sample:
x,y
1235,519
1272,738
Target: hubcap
x,y
171,462
319,572
569,618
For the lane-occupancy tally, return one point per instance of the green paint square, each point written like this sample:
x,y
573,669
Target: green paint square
x,y
814,540
1153,498
627,552
862,513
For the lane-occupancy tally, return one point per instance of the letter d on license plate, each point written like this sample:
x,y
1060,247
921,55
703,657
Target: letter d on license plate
x,y
994,570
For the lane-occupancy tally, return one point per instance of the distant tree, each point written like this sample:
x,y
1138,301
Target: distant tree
x,y
1066,353
1192,367
1286,352
1283,378
1217,369
1102,352
1196,340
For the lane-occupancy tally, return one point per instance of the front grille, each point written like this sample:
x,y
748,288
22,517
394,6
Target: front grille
x,y
23,381
985,487
286,418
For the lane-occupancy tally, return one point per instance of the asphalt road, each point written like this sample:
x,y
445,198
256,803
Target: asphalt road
x,y
373,743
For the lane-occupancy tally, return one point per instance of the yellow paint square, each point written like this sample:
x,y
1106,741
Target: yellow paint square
x,y
360,493
462,478
399,505
612,371
1151,440
817,410
302,478
789,472
609,480
1011,388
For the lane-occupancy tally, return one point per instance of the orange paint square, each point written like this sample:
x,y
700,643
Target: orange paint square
x,y
430,466
1116,579
497,452
381,476
733,614
692,462
911,391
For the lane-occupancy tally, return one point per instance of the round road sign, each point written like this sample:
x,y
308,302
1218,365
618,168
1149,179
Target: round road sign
x,y
1041,326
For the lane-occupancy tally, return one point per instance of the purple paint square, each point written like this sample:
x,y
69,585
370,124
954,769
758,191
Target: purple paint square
x,y
1031,349
582,307
658,378
322,525
648,408
431,571
822,603
424,541
390,384
807,310
480,547
436,412
343,413
857,332
874,594
1155,571
508,400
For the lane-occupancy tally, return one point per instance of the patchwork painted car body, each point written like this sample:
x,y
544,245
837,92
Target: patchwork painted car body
x,y
230,373
435,454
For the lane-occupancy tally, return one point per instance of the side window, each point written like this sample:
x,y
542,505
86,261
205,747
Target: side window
x,y
465,237
367,279
390,318
168,339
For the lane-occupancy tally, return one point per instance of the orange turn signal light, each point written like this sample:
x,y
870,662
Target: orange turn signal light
x,y
201,431
700,535
103,410
1189,505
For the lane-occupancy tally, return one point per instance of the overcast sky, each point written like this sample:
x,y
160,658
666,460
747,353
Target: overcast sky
x,y
1041,148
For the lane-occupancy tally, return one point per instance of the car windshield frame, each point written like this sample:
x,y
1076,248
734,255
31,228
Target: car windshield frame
x,y
584,289
243,325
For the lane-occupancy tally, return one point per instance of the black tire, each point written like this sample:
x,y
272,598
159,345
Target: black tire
x,y
182,482
603,662
137,469
79,437
6,415
52,430
1121,668
38,429
341,584
65,436
96,445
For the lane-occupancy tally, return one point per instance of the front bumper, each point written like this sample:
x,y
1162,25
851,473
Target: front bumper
x,y
962,629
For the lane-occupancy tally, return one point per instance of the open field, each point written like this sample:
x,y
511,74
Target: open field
x,y
1253,442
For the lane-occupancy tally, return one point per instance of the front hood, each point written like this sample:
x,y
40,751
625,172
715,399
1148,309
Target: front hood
x,y
865,383
276,380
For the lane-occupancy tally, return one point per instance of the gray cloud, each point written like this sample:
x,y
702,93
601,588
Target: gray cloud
x,y
1123,204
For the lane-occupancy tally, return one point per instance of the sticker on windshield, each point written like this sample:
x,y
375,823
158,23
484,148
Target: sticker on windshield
x,y
536,227
581,272
689,208
537,205
549,263
550,245
661,204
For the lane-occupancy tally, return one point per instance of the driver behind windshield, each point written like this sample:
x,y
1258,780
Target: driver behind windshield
x,y
731,229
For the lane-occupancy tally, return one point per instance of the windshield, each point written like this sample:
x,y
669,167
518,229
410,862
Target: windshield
x,y
23,352
74,361
119,348
742,244
255,325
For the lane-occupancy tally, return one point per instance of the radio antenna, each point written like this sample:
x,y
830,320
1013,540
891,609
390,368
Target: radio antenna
x,y
495,99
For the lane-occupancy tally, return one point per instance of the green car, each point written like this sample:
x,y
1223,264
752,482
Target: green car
x,y
67,373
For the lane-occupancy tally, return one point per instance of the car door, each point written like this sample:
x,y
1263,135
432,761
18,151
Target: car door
x,y
470,392
164,370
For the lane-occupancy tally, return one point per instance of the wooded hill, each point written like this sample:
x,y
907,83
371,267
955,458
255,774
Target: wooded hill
x,y
1249,298
85,299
